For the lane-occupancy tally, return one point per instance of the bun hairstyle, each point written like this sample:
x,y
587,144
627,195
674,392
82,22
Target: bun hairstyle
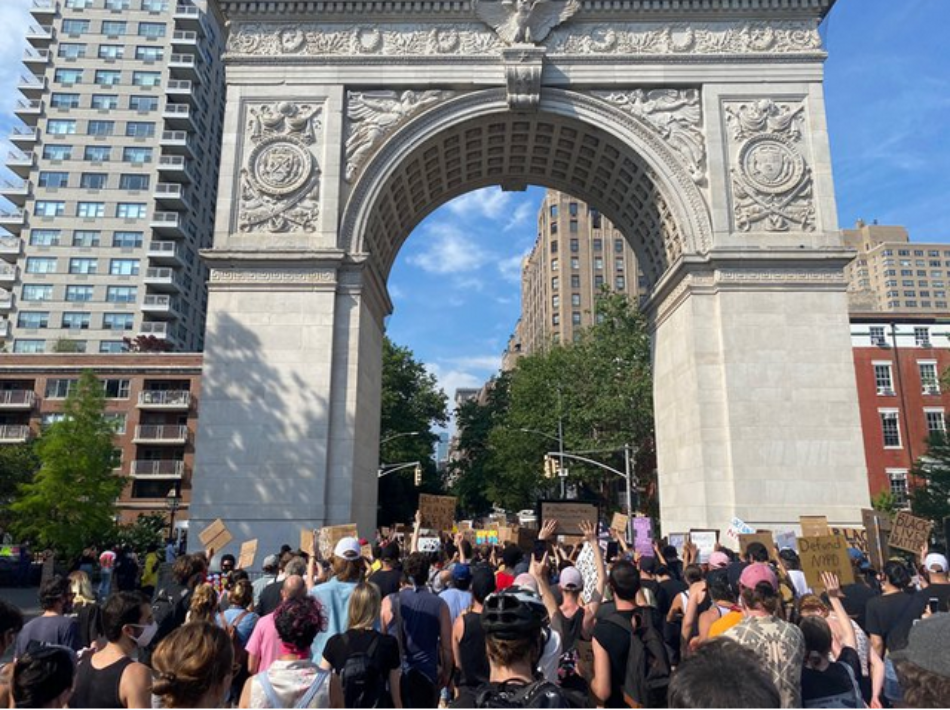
x,y
764,596
188,662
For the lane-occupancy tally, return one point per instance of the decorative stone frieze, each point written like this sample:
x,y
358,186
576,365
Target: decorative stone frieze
x,y
524,21
272,276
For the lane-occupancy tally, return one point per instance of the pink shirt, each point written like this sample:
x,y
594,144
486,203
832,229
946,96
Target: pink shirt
x,y
264,642
107,559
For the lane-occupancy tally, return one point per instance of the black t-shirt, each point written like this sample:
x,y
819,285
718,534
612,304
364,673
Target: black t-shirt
x,y
855,598
341,646
834,680
616,642
388,581
940,592
666,595
270,598
888,616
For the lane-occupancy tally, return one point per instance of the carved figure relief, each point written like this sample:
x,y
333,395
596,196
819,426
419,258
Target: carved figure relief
x,y
524,21
280,182
373,115
771,180
675,114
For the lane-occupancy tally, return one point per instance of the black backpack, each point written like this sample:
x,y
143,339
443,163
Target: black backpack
x,y
363,682
169,607
647,676
539,694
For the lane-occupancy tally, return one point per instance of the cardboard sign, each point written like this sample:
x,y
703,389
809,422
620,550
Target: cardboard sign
x,y
705,541
643,536
827,553
814,525
329,536
909,532
216,536
765,538
569,516
677,540
856,537
508,534
247,555
438,512
620,523
306,541
429,544
786,540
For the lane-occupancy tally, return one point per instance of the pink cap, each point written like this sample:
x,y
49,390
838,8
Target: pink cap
x,y
756,573
527,581
718,560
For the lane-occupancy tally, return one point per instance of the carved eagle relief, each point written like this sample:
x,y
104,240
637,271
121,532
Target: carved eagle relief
x,y
524,21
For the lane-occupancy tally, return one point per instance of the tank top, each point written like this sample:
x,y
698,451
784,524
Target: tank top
x,y
475,669
98,687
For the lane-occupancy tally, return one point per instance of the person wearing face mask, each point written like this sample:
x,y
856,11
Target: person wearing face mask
x,y
112,678
53,627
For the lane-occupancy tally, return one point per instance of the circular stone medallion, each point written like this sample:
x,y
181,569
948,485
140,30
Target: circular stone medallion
x,y
771,164
280,166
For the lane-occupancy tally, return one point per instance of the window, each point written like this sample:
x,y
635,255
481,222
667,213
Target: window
x,y
79,294
143,103
61,127
97,153
133,182
929,382
598,245
111,51
140,129
114,28
76,321
50,418
124,267
93,181
108,77
898,481
118,4
575,281
598,263
594,218
118,321
127,240
575,262
151,29
553,211
882,378
116,389
618,263
575,299
572,209
85,238
922,337
44,237
155,5
113,346
59,388
620,283
105,102
618,246
91,209
555,301
555,283
49,208
146,78
936,421
877,335
121,294
33,319
37,292
575,246
572,226
60,100
149,54
100,128
82,266
49,179
57,152
576,318
554,265
554,227
131,210
29,346
137,155
890,428
554,246
75,27
556,319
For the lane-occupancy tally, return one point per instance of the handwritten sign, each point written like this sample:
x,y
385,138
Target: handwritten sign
x,y
746,539
620,523
429,544
736,528
306,540
215,536
814,525
909,532
527,538
486,537
856,537
569,516
705,542
827,553
643,536
586,564
786,540
329,536
438,512
247,555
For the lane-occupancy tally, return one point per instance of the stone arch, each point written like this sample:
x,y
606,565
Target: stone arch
x,y
575,143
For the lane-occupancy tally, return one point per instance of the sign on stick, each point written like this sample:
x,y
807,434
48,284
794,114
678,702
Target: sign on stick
x,y
620,523
856,537
569,516
329,536
878,526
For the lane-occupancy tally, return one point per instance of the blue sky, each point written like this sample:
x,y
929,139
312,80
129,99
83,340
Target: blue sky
x,y
455,285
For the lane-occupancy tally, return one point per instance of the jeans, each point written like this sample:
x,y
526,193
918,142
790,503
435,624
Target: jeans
x,y
892,687
105,584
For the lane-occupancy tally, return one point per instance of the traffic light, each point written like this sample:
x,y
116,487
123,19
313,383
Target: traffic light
x,y
550,467
418,472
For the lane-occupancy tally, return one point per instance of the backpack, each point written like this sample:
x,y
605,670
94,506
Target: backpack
x,y
240,653
302,702
539,694
168,607
362,680
647,675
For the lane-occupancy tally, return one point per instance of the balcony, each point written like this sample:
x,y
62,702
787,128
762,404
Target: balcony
x,y
160,306
40,35
16,192
17,400
175,167
7,275
23,136
165,253
6,328
168,400
42,8
180,89
29,111
36,59
20,164
176,143
178,116
14,433
183,66
157,329
168,434
6,300
31,86
184,40
10,248
187,17
169,224
171,195
158,469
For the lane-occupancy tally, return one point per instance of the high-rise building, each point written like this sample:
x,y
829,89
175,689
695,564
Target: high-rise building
x,y
891,274
577,252
118,165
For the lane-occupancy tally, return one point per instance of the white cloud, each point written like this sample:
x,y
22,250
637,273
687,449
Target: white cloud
x,y
447,250
14,18
396,293
489,202
510,268
487,363
523,212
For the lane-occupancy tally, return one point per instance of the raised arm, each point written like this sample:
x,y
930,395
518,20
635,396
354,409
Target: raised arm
x,y
539,570
697,594
414,543
833,589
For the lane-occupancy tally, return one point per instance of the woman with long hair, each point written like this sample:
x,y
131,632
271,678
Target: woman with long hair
x,y
204,605
86,610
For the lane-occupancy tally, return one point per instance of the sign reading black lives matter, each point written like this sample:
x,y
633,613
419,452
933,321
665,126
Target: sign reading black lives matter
x,y
909,532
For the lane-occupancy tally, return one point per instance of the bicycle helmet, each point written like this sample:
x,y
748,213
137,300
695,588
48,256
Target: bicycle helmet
x,y
512,613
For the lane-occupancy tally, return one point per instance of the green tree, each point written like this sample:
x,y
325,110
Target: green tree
x,y
930,497
18,465
411,402
72,498
146,530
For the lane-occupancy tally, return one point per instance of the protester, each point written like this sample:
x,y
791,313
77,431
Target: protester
x,y
863,589
238,615
170,550
172,600
722,674
269,576
889,620
263,648
150,570
271,597
111,678
366,664
292,680
85,610
11,622
723,608
203,606
923,666
937,592
126,572
192,667
43,678
106,566
334,595
53,627
468,636
458,596
389,577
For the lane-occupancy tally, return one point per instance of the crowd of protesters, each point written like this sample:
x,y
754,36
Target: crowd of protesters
x,y
483,626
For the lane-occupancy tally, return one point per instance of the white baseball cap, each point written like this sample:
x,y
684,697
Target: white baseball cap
x,y
935,559
348,548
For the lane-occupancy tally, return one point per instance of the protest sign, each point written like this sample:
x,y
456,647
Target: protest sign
x,y
306,540
429,544
483,537
814,525
909,533
569,516
507,534
745,539
856,537
438,512
328,537
247,555
736,528
643,536
586,564
677,540
215,536
827,553
620,523
878,527
786,540
527,538
705,542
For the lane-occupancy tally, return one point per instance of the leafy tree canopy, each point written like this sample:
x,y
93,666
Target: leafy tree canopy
x,y
930,497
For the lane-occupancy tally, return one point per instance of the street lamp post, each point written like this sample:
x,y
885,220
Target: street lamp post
x,y
172,501
396,436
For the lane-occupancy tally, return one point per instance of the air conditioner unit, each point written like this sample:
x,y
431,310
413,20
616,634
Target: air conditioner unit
x,y
924,344
932,389
880,342
885,391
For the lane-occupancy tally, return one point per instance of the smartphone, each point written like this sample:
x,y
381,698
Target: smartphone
x,y
613,550
540,547
933,604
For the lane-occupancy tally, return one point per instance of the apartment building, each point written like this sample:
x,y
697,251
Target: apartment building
x,y
153,399
577,252
117,161
891,274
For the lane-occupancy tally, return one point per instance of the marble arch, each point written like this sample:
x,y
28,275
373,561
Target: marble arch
x,y
698,127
